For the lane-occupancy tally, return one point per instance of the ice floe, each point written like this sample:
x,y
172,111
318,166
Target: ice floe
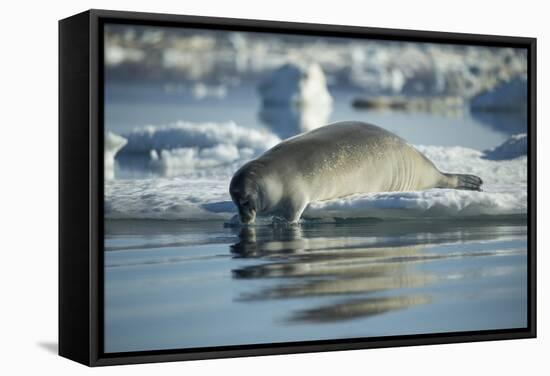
x,y
112,144
195,197
197,135
514,147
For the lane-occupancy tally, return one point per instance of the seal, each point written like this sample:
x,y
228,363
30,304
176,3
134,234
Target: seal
x,y
334,161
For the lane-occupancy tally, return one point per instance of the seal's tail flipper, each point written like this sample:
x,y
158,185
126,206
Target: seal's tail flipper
x,y
465,181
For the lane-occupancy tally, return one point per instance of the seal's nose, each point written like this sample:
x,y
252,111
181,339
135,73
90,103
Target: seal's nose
x,y
247,216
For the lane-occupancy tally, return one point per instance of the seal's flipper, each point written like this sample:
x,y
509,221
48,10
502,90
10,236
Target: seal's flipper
x,y
291,210
464,181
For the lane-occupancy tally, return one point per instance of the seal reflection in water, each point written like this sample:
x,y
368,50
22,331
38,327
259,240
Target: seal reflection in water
x,y
336,272
334,161
342,270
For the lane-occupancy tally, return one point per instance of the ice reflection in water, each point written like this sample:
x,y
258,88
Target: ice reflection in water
x,y
289,120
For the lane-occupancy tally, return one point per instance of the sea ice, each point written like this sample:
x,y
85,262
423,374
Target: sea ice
x,y
182,147
514,147
112,144
195,197
197,135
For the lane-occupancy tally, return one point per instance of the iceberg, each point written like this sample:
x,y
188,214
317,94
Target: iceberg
x,y
295,84
509,95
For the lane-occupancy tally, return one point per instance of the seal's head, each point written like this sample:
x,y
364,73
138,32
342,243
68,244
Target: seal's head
x,y
245,193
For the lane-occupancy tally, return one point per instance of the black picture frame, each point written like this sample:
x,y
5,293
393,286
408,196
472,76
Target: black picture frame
x,y
81,186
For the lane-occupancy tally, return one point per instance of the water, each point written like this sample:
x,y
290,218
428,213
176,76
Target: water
x,y
171,284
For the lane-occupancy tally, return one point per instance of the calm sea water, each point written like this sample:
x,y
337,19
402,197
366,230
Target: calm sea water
x,y
171,284
131,105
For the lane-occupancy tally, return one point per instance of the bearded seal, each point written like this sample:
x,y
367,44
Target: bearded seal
x,y
334,161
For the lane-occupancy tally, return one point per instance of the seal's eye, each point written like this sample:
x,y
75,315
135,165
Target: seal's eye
x,y
245,203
